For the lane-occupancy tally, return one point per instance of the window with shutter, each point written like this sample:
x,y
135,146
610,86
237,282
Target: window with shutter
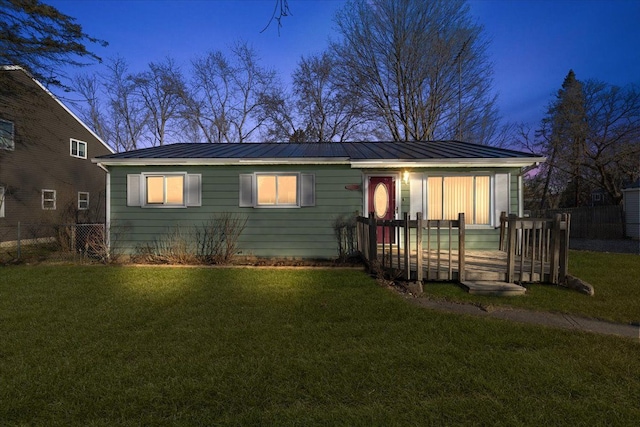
x,y
277,190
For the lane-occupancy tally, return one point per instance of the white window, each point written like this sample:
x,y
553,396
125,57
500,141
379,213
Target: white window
x,y
168,190
1,202
83,201
6,135
48,199
277,190
78,149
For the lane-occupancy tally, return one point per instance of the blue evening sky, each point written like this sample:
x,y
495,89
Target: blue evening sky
x,y
534,43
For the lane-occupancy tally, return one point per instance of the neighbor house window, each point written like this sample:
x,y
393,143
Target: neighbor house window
x,y
170,190
78,149
277,190
2,202
83,201
6,135
48,199
449,195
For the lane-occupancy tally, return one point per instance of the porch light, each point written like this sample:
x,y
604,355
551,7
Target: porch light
x,y
405,177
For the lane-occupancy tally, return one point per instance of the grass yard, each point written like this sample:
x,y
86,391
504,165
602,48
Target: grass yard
x,y
120,346
615,278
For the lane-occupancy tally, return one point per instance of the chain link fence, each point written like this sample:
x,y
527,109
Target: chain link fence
x,y
37,241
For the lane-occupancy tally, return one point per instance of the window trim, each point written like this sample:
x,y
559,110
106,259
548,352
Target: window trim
x,y
78,143
44,199
80,201
12,145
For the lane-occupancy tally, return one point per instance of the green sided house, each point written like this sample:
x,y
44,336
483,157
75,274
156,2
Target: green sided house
x,y
291,194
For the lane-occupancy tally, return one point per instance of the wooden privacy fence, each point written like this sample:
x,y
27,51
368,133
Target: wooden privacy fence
x,y
419,249
537,248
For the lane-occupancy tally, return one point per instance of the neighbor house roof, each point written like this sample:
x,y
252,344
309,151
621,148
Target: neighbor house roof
x,y
358,154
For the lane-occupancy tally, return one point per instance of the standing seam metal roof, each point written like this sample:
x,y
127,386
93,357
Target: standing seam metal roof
x,y
351,150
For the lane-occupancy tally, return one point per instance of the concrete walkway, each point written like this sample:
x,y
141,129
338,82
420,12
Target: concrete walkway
x,y
554,320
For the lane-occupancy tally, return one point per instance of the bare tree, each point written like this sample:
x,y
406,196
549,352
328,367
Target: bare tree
x,y
612,157
329,113
591,137
91,110
225,97
421,65
159,89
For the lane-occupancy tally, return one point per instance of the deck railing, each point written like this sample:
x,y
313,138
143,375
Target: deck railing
x,y
418,249
537,248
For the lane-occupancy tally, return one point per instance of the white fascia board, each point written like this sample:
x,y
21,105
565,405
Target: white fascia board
x,y
218,162
447,163
17,67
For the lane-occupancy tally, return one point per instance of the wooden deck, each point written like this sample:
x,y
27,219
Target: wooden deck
x,y
485,271
531,250
480,266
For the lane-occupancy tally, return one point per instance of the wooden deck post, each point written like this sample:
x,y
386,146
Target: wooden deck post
x,y
503,226
407,248
461,249
373,238
511,247
419,247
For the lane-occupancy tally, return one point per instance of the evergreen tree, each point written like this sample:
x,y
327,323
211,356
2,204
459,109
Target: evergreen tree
x,y
564,134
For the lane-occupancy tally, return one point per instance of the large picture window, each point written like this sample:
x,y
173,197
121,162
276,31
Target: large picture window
x,y
449,195
6,135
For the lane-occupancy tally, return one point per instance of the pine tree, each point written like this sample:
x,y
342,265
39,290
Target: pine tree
x,y
564,132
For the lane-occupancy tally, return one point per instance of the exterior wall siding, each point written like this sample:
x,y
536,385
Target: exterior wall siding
x,y
305,232
287,232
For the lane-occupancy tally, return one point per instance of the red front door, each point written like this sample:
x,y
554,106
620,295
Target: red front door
x,y
382,202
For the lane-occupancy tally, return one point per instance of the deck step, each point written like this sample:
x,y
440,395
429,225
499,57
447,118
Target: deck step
x,y
490,287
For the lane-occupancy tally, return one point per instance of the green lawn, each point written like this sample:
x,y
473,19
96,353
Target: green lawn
x,y
615,278
113,346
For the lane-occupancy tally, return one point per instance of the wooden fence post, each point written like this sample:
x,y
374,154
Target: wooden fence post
x,y
564,249
407,248
373,238
419,247
511,247
555,249
461,249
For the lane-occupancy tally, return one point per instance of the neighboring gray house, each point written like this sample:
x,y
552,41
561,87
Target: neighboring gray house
x,y
292,193
46,174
